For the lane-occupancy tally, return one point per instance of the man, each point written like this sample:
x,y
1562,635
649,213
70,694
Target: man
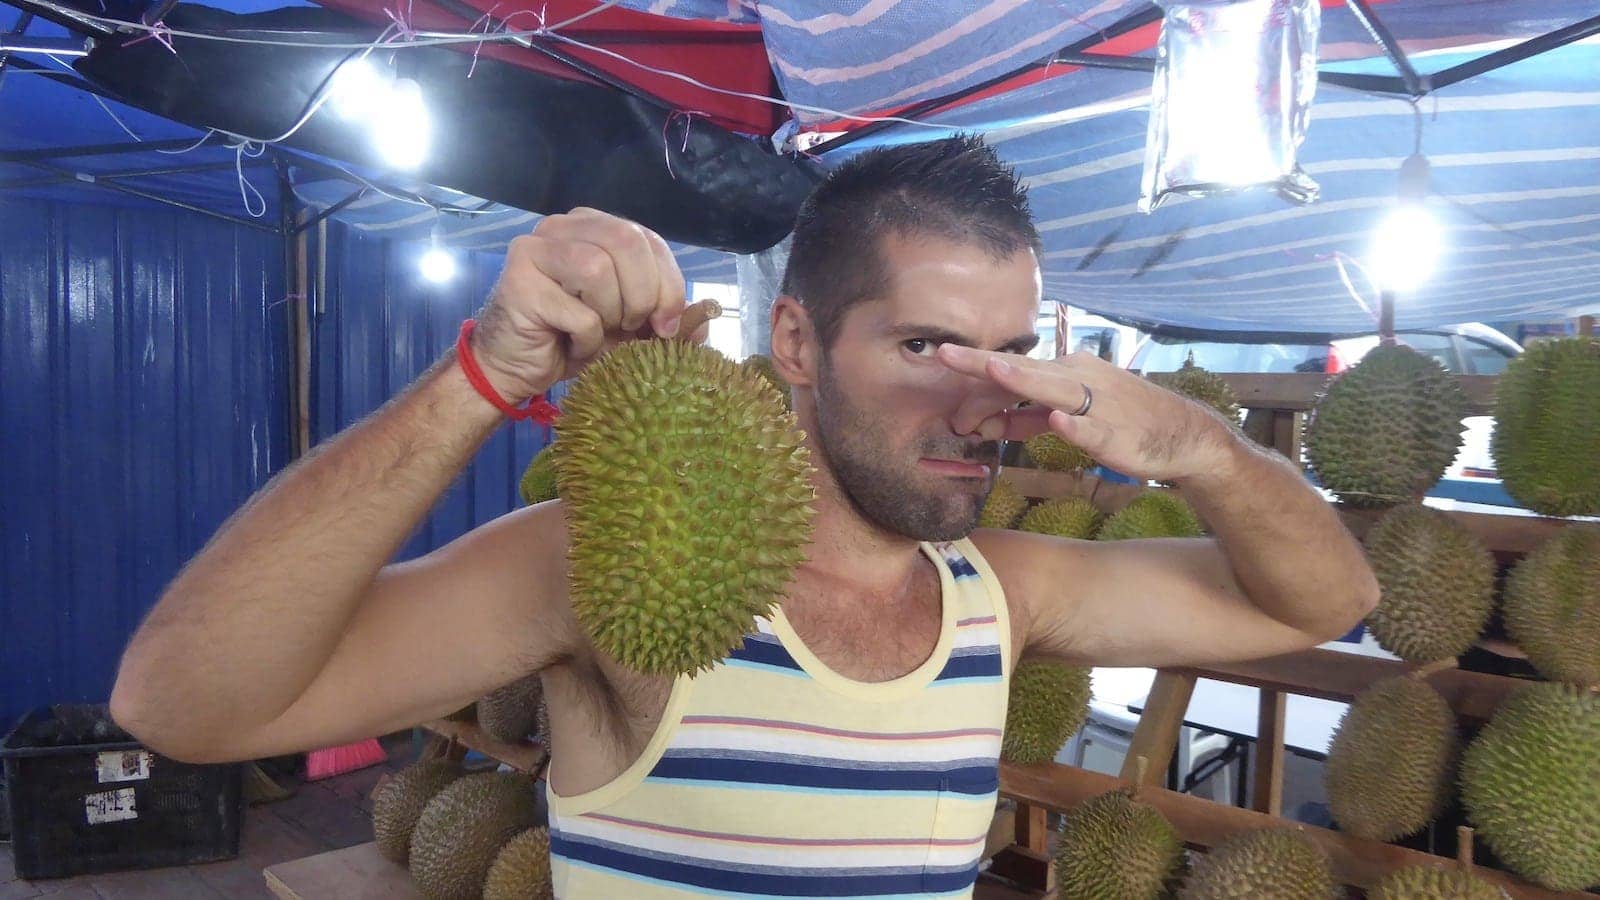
x,y
850,746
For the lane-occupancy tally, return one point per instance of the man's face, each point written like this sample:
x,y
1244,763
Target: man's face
x,y
886,406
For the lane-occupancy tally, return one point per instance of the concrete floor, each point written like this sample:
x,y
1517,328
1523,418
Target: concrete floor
x,y
322,815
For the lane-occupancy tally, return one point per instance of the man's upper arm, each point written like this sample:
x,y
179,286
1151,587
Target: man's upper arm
x,y
1154,603
436,633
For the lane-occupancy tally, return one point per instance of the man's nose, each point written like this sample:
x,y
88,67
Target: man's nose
x,y
982,409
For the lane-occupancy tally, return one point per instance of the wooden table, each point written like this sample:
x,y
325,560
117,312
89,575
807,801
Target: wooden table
x,y
356,873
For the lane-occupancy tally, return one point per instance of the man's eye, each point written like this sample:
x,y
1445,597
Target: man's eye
x,y
920,346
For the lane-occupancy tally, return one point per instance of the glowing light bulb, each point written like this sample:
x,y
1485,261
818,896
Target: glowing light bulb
x,y
401,126
1405,248
437,265
358,88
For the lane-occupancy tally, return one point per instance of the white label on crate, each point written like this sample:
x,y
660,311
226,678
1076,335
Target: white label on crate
x,y
111,806
123,765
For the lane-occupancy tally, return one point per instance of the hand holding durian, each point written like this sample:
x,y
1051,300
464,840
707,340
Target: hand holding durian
x,y
578,285
1121,420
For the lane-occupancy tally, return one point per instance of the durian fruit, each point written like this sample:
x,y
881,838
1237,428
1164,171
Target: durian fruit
x,y
462,830
539,479
398,804
1552,605
1547,427
1438,883
1436,580
1068,517
521,871
762,365
1280,863
1048,704
1116,847
1386,429
1051,452
1004,506
1392,759
1153,514
1199,384
1530,782
689,502
511,713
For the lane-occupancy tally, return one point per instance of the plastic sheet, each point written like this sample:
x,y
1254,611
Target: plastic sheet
x,y
1231,99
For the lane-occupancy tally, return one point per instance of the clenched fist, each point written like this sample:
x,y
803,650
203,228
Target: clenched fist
x,y
576,286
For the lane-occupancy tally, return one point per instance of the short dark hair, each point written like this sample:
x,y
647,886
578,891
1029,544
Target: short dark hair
x,y
953,188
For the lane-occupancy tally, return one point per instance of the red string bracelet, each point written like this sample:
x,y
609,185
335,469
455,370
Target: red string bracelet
x,y
538,409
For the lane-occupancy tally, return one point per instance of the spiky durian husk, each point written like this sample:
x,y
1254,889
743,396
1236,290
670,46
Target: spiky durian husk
x,y
398,804
689,503
1068,517
1390,765
511,713
1153,514
1552,606
462,829
1437,584
1051,452
1279,863
1114,847
1547,427
762,364
1385,431
1004,506
538,482
1048,703
1434,883
1530,783
521,871
1199,384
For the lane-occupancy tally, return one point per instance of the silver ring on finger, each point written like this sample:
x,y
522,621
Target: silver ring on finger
x,y
1088,401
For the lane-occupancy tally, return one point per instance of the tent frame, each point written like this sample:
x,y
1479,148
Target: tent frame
x,y
1408,83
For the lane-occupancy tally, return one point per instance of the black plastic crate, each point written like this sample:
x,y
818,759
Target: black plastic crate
x,y
84,797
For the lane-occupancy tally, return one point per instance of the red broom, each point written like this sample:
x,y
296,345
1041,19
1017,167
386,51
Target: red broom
x,y
348,758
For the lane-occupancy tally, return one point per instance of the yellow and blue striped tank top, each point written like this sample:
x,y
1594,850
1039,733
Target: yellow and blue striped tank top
x,y
772,776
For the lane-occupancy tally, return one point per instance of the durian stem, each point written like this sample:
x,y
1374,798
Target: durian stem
x,y
1464,847
696,315
1140,765
1428,670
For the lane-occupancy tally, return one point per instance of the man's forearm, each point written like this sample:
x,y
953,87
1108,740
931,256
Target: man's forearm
x,y
247,625
1286,544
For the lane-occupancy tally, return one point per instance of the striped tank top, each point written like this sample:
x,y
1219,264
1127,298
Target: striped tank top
x,y
772,776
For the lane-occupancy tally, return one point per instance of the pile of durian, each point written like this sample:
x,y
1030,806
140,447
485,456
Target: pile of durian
x,y
1530,780
1385,431
464,836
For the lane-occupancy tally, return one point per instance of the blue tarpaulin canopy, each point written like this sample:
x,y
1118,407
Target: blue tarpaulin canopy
x,y
1515,154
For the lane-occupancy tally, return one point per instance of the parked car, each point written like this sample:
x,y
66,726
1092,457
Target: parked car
x,y
1087,332
1470,349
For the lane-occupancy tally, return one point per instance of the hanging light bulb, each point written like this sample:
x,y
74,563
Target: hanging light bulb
x,y
358,88
401,126
437,264
1409,241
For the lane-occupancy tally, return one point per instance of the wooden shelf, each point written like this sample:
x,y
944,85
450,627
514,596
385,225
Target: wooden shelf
x,y
1298,391
1333,675
1204,823
1512,532
524,757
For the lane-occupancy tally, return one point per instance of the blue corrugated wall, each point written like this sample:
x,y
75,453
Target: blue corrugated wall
x,y
142,399
377,327
144,395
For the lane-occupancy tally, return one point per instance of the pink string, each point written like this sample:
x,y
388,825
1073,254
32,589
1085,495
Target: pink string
x,y
403,31
161,33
